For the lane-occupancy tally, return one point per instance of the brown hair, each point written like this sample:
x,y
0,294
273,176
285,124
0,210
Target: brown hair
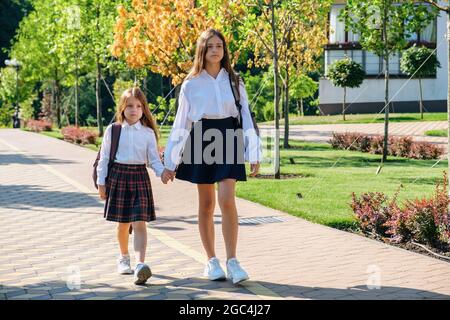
x,y
147,118
200,53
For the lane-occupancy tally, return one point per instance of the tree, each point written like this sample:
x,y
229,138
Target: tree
x,y
303,87
419,62
383,26
99,23
280,34
37,46
11,12
446,9
346,73
160,35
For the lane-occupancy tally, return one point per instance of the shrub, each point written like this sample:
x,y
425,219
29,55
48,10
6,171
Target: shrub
x,y
372,211
78,135
376,144
398,146
425,150
350,141
39,125
424,221
401,147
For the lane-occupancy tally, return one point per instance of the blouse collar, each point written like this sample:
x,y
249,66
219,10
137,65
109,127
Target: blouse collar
x,y
137,125
222,73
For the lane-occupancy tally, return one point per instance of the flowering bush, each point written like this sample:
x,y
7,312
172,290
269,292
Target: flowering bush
x,y
372,210
39,125
424,221
397,146
401,147
351,141
425,150
79,135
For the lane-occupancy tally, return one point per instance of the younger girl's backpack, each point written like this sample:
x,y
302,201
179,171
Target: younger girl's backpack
x,y
115,135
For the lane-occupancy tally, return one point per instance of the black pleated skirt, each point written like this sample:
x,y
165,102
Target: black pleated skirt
x,y
213,152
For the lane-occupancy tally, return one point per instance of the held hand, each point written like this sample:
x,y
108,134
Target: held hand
x,y
167,175
254,167
102,191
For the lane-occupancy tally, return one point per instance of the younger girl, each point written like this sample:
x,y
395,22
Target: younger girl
x,y
126,188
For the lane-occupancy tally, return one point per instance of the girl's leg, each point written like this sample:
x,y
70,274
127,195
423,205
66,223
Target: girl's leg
x,y
206,204
140,240
122,237
226,197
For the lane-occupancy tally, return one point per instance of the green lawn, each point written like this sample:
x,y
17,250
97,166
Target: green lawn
x,y
436,133
362,118
326,188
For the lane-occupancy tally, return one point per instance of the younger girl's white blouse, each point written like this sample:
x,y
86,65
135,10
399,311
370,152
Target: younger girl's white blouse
x,y
206,97
137,145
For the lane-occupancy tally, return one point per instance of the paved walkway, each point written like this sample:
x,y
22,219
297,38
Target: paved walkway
x,y
323,132
55,244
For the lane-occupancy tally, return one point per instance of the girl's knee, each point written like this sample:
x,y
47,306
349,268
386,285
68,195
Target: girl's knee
x,y
227,203
123,226
139,226
207,208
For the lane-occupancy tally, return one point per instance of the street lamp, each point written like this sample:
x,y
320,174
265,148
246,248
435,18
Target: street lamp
x,y
16,65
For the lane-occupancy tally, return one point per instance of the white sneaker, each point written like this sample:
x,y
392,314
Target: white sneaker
x,y
235,272
123,265
213,270
141,273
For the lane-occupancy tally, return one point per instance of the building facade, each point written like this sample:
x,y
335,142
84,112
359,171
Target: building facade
x,y
369,97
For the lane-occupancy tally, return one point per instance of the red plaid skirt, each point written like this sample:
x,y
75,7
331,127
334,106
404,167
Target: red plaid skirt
x,y
129,194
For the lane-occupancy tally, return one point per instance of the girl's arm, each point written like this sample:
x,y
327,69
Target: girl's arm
x,y
102,168
154,161
252,143
179,133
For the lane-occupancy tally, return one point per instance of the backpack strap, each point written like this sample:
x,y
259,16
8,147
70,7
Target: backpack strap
x,y
237,97
115,136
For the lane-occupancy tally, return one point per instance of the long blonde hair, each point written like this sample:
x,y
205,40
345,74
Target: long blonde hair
x,y
147,118
200,54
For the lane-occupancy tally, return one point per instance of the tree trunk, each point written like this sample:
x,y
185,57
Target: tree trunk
x,y
421,99
97,84
386,85
57,102
286,111
77,105
99,102
448,97
301,106
277,94
343,105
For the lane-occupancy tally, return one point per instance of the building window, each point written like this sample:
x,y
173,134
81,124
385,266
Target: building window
x,y
372,63
429,34
337,27
394,64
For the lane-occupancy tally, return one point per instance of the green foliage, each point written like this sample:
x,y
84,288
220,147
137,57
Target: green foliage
x,y
346,73
368,17
6,113
260,94
163,110
419,61
27,109
120,86
303,87
268,111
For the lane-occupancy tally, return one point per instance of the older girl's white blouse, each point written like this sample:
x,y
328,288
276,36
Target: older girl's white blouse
x,y
137,145
206,97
